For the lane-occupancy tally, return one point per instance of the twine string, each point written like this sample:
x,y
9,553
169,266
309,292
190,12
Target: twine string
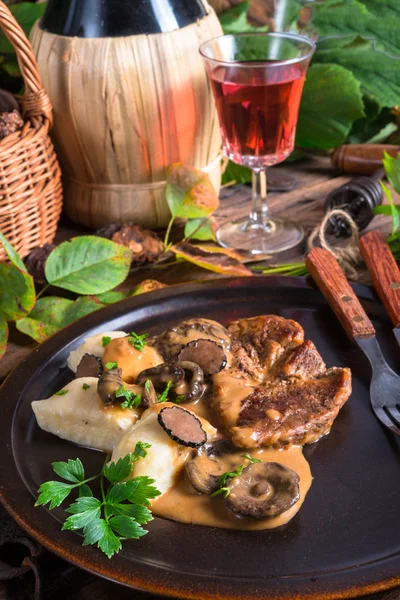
x,y
348,256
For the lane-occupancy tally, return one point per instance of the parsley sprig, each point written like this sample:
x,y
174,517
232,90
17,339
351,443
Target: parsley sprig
x,y
120,512
163,397
138,341
131,399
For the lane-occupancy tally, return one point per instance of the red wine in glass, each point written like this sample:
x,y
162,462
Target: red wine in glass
x,y
258,111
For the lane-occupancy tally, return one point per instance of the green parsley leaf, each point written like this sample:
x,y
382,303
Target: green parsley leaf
x,y
105,340
140,513
131,399
251,459
230,474
111,365
147,385
118,471
84,491
78,520
120,491
71,471
61,392
164,396
179,398
127,527
138,341
143,491
54,492
94,531
83,504
222,490
85,386
140,451
109,543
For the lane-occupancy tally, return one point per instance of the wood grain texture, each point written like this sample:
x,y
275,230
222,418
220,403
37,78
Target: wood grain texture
x,y
384,272
125,109
332,282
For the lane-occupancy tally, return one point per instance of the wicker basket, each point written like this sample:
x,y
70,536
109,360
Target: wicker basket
x,y
30,177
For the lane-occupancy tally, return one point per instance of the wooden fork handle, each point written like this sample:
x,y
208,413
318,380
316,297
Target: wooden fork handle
x,y
332,282
384,272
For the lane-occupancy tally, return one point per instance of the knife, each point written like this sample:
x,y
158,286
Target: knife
x,y
385,274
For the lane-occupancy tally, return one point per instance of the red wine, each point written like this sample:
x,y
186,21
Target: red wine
x,y
258,108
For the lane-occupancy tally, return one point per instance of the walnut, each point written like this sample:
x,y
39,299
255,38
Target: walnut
x,y
108,230
8,102
36,260
145,245
10,122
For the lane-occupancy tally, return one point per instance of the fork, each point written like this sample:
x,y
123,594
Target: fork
x,y
385,383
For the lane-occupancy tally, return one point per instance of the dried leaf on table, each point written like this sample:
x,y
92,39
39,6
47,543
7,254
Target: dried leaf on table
x,y
190,193
88,265
145,245
148,285
17,292
213,261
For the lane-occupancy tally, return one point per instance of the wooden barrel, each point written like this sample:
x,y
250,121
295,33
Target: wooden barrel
x,y
125,108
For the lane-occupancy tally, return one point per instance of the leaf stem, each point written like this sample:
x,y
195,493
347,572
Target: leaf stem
x,y
204,220
167,233
46,287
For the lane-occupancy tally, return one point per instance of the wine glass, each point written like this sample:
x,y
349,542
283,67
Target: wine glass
x,y
257,80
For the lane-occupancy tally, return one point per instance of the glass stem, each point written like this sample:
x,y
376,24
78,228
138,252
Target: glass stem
x,y
259,210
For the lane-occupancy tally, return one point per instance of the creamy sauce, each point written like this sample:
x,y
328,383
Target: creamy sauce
x,y
130,360
183,503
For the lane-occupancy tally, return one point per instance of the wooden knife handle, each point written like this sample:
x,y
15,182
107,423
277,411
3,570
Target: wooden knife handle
x,y
384,272
332,282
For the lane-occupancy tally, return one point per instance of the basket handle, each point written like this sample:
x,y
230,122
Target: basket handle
x,y
35,101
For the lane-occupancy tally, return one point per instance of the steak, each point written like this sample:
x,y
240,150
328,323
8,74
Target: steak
x,y
276,389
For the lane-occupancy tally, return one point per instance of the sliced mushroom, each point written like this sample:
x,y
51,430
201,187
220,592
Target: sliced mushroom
x,y
209,355
89,366
263,490
149,396
182,426
108,384
210,462
196,383
161,375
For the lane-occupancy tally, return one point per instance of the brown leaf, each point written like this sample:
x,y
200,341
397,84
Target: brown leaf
x,y
148,285
213,261
190,193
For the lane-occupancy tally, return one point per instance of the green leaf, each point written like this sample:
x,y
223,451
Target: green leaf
x,y
17,292
37,330
138,341
164,396
236,174
109,543
378,73
140,449
85,386
12,253
382,135
143,490
127,527
111,365
112,296
392,168
71,471
251,459
116,472
201,229
26,14
84,491
3,335
217,261
222,490
82,504
190,193
395,214
141,514
54,492
331,101
105,340
234,20
121,491
386,209
95,530
82,307
383,8
88,265
61,393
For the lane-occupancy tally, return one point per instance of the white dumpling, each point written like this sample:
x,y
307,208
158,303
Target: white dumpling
x,y
91,345
165,458
80,416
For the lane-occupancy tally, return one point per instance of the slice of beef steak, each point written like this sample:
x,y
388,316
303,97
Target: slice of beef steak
x,y
291,399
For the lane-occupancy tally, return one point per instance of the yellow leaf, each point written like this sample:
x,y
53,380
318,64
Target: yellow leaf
x,y
213,261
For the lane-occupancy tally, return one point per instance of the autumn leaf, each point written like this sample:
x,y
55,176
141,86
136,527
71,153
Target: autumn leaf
x,y
148,285
213,261
17,292
190,193
3,335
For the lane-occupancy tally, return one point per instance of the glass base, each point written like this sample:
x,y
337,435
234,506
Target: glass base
x,y
270,237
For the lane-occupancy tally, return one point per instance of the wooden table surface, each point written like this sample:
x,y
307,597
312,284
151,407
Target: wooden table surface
x,y
315,178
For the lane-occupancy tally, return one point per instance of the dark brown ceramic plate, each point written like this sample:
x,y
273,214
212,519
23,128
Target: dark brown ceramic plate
x,y
345,540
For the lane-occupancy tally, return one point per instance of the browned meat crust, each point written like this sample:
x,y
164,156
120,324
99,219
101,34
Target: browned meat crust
x,y
292,398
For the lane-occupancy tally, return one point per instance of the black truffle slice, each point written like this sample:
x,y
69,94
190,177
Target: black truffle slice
x,y
90,366
182,426
210,357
